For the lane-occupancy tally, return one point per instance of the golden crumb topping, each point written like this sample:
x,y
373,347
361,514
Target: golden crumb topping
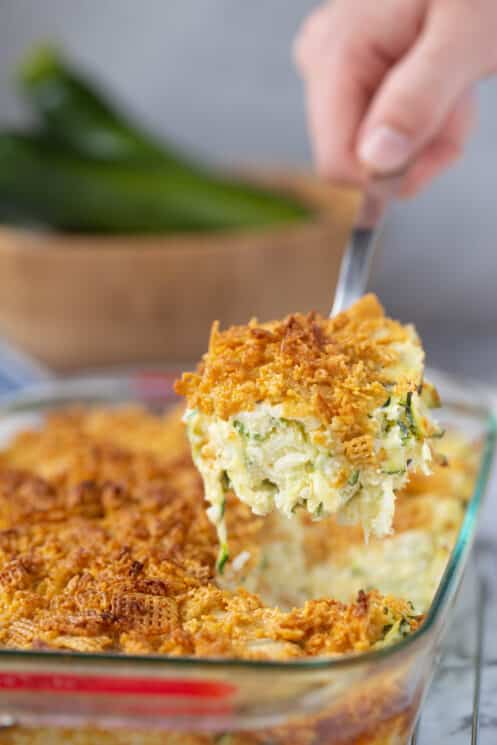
x,y
105,545
337,369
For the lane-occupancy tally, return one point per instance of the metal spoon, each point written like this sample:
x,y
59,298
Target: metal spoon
x,y
356,262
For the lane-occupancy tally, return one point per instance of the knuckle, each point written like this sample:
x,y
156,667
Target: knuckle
x,y
414,109
340,169
471,27
309,35
324,36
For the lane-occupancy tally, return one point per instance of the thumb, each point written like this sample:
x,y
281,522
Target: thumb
x,y
419,93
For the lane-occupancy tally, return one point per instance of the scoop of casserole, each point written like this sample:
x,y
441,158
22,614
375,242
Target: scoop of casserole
x,y
326,415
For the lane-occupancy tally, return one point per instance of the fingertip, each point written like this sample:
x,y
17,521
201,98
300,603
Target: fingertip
x,y
384,149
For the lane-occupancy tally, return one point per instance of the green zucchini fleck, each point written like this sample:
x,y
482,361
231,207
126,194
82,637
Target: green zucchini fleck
x,y
240,427
405,433
225,483
223,508
243,431
410,414
438,434
387,425
353,478
269,484
222,558
318,511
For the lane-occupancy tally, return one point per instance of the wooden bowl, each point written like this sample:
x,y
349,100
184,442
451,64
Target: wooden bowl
x,y
84,300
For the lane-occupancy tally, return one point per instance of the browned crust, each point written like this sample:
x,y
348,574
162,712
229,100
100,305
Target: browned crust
x,y
105,545
335,369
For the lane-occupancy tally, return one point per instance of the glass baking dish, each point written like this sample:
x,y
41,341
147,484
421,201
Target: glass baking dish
x,y
367,699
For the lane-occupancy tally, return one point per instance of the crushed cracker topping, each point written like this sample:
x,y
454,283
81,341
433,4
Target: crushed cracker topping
x,y
337,369
105,546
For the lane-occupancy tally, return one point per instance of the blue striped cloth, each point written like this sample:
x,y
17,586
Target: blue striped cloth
x,y
18,370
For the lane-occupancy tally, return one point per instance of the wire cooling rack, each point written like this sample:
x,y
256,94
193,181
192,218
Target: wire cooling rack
x,y
469,669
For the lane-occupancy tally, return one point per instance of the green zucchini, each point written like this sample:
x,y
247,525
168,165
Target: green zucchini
x,y
353,478
222,558
410,415
74,194
418,423
318,512
157,189
240,428
405,432
226,484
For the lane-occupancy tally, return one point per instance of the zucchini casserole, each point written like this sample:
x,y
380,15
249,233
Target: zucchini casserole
x,y
309,413
105,546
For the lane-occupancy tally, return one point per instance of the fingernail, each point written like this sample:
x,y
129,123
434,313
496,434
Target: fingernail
x,y
385,149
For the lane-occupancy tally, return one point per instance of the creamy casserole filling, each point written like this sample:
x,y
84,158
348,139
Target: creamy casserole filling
x,y
334,427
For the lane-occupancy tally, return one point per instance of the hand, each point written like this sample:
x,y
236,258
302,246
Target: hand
x,y
388,83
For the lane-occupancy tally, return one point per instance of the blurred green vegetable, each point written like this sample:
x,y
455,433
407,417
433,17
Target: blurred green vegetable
x,y
89,169
75,113
72,193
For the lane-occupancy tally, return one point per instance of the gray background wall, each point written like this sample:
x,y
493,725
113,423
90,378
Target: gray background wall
x,y
217,76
